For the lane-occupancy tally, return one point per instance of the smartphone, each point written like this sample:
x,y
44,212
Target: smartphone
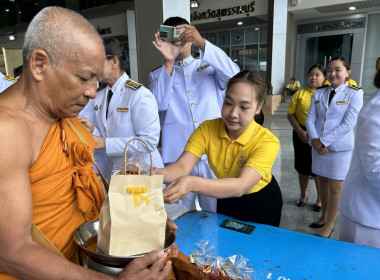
x,y
237,226
170,32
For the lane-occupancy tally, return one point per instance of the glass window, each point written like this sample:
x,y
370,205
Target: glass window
x,y
211,37
263,60
252,57
237,56
263,35
237,37
251,36
224,38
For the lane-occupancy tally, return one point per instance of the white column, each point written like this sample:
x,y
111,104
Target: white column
x,y
132,45
277,40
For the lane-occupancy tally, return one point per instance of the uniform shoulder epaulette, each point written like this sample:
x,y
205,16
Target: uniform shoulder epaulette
x,y
156,68
102,86
354,87
133,84
9,78
323,86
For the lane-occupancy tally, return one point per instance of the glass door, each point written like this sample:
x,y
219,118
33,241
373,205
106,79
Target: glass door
x,y
320,50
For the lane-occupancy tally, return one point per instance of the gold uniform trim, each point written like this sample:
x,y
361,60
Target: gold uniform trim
x,y
155,68
132,84
354,87
9,78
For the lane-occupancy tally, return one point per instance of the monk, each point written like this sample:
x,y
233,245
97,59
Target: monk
x,y
46,174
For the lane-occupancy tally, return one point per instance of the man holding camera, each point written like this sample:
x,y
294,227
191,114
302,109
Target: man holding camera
x,y
188,91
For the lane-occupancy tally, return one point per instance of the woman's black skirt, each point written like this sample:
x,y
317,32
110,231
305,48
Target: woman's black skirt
x,y
302,155
262,207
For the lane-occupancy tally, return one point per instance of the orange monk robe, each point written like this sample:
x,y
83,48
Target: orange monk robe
x,y
65,189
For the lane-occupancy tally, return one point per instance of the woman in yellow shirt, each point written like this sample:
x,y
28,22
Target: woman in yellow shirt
x,y
241,154
297,114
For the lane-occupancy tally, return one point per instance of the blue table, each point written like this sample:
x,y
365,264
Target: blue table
x,y
280,254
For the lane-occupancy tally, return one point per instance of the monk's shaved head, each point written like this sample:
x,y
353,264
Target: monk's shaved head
x,y
56,31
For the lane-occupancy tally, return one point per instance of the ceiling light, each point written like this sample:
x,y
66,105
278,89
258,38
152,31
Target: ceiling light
x,y
240,23
194,4
12,37
7,10
352,8
256,28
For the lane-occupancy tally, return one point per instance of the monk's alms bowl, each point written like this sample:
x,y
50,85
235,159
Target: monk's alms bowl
x,y
86,236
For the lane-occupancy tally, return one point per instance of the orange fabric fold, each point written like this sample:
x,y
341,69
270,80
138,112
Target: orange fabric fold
x,y
65,190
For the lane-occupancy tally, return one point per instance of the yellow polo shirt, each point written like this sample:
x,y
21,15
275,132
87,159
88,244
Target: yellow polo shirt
x,y
300,104
256,147
296,84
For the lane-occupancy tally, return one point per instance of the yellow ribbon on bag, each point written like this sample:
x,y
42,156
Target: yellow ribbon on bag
x,y
138,192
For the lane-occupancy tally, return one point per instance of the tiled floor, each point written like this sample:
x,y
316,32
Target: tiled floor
x,y
293,217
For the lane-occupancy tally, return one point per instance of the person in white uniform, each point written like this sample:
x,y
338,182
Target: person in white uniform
x,y
123,109
189,91
5,81
359,203
332,116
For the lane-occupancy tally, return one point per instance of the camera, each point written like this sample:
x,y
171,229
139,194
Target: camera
x,y
170,32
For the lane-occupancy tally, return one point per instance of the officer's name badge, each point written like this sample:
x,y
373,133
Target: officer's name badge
x,y
96,108
203,67
342,102
317,101
122,109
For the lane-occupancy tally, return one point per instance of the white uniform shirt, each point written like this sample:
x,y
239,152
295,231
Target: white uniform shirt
x,y
5,82
333,124
193,93
131,113
360,196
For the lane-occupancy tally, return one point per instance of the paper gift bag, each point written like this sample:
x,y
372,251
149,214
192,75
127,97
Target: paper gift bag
x,y
133,217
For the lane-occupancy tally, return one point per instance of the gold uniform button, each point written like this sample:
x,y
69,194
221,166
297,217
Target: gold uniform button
x,y
192,104
186,76
171,90
105,130
179,63
186,62
121,90
189,91
195,120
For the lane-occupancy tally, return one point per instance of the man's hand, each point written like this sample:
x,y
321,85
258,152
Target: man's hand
x,y
168,49
322,151
177,190
316,143
191,35
151,266
86,122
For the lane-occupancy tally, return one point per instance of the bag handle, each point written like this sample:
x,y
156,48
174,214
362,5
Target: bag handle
x,y
81,138
125,155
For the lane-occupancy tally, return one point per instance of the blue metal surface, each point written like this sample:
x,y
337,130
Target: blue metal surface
x,y
280,254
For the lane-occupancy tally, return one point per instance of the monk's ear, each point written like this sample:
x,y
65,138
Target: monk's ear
x,y
39,61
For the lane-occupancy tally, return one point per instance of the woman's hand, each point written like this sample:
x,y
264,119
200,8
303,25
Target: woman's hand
x,y
302,135
177,190
322,151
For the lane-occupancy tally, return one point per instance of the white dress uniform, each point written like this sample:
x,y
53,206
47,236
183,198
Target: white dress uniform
x,y
333,124
193,93
359,202
5,82
132,113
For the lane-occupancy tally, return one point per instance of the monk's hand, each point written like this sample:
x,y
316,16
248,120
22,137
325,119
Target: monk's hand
x,y
86,122
177,190
152,266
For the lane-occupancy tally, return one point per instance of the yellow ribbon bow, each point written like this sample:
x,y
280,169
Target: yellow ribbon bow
x,y
138,192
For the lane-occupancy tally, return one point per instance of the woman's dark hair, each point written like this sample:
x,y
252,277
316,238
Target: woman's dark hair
x,y
114,48
174,21
255,79
376,80
345,61
320,67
